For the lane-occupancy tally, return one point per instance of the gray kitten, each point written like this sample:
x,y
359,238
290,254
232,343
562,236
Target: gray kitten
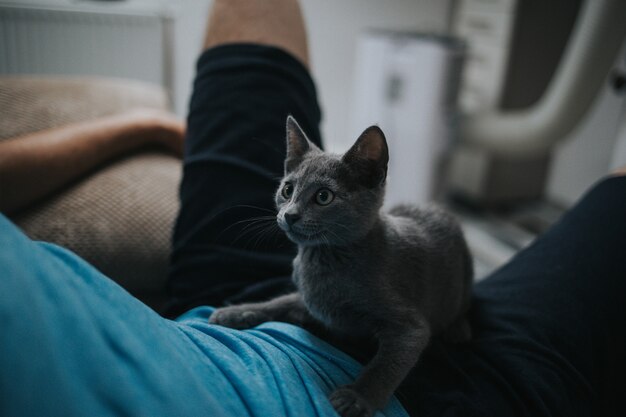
x,y
396,276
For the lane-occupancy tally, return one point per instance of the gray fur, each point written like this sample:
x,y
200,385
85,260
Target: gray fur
x,y
398,276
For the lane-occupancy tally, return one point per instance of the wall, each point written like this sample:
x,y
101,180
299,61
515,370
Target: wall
x,y
592,149
619,152
188,38
334,27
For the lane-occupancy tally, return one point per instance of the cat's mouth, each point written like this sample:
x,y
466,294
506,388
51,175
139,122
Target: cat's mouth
x,y
303,237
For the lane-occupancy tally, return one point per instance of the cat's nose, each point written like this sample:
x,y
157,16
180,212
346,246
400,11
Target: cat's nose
x,y
291,218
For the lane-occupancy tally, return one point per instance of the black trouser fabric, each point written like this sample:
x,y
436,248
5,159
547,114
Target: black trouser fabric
x,y
549,327
227,247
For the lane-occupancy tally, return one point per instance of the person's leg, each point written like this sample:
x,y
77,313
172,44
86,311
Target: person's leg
x,y
549,328
562,299
276,23
226,245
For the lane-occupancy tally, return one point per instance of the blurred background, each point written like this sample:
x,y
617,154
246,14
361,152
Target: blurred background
x,y
506,110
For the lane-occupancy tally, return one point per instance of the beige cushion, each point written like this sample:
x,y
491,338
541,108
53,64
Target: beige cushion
x,y
119,218
29,104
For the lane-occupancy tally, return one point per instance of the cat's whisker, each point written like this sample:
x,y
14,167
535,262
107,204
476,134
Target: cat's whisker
x,y
265,209
254,228
214,216
338,224
274,233
263,236
325,239
256,223
262,233
251,221
263,230
253,207
221,212
336,236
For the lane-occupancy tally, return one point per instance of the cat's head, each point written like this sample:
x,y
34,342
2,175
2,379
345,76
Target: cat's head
x,y
327,199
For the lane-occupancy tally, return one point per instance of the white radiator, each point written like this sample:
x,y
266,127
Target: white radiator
x,y
88,38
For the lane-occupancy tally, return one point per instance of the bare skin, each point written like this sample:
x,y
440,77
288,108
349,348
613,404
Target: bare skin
x,y
35,165
620,171
276,23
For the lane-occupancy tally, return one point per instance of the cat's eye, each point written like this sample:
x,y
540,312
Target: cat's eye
x,y
324,197
287,190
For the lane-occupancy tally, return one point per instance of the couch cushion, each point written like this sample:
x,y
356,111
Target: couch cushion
x,y
29,104
120,217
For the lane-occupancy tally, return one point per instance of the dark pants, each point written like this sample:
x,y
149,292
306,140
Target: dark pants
x,y
224,250
549,327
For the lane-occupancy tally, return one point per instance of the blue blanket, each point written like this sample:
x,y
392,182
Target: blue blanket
x,y
74,343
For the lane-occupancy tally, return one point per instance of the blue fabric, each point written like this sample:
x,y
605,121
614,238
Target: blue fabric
x,y
76,344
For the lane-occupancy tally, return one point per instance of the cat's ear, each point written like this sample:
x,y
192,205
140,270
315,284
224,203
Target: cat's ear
x,y
298,145
369,156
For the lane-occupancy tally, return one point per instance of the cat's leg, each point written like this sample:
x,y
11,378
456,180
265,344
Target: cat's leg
x,y
287,308
398,351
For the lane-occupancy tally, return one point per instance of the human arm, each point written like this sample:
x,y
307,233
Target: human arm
x,y
34,165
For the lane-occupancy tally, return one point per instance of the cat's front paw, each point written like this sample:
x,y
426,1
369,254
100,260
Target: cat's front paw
x,y
349,403
237,317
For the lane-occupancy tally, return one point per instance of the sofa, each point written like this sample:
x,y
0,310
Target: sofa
x,y
120,217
